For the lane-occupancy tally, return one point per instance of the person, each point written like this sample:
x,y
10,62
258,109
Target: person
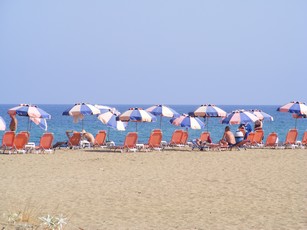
x,y
258,125
88,136
228,138
239,136
13,123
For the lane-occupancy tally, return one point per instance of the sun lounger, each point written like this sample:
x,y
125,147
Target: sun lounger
x,y
291,137
8,141
304,139
129,143
271,141
74,140
45,143
100,139
20,141
154,141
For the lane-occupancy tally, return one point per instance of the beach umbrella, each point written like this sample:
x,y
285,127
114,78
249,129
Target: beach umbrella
x,y
295,107
162,111
208,110
239,117
78,111
188,122
261,115
2,124
137,115
107,108
34,113
108,118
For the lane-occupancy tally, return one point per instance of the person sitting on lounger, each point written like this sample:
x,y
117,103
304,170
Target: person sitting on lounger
x,y
228,138
89,137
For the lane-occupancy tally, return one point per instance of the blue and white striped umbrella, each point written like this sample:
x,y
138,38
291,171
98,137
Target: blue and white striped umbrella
x,y
262,115
137,115
35,114
294,107
78,111
239,117
2,124
162,111
209,110
108,118
28,110
81,109
188,122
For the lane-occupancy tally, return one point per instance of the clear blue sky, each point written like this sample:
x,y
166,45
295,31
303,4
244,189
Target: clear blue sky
x,y
153,52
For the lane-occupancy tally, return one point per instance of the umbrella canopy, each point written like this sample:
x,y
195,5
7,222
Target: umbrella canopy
x,y
29,111
107,108
35,114
78,111
162,111
239,117
188,122
137,115
296,107
108,118
209,110
2,124
262,115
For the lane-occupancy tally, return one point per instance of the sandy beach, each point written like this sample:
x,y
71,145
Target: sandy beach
x,y
247,189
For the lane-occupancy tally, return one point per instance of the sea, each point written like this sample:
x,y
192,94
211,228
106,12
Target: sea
x,y
58,123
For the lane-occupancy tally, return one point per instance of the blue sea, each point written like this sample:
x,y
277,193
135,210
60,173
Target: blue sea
x,y
58,124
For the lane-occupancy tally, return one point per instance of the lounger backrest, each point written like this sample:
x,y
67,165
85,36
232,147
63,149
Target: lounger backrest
x,y
184,137
75,139
291,136
258,136
157,130
8,139
100,137
304,139
131,140
46,141
20,141
176,137
250,137
27,133
204,136
155,139
271,139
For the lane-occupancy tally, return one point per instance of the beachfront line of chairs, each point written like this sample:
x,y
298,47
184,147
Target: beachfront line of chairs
x,y
19,143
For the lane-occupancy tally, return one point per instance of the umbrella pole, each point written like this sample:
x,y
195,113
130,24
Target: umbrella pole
x,y
207,123
295,122
82,124
108,136
160,122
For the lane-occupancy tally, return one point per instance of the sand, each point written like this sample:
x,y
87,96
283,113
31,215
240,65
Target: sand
x,y
247,189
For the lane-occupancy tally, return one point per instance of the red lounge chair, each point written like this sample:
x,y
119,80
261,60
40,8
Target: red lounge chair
x,y
257,139
154,141
45,143
129,143
175,139
8,140
20,142
100,139
291,137
74,140
271,141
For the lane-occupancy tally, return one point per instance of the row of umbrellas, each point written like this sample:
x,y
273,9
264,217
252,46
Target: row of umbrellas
x,y
112,117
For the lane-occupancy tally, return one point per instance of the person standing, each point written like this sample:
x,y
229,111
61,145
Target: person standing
x,y
13,123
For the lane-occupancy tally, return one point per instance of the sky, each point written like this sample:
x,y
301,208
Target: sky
x,y
153,52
